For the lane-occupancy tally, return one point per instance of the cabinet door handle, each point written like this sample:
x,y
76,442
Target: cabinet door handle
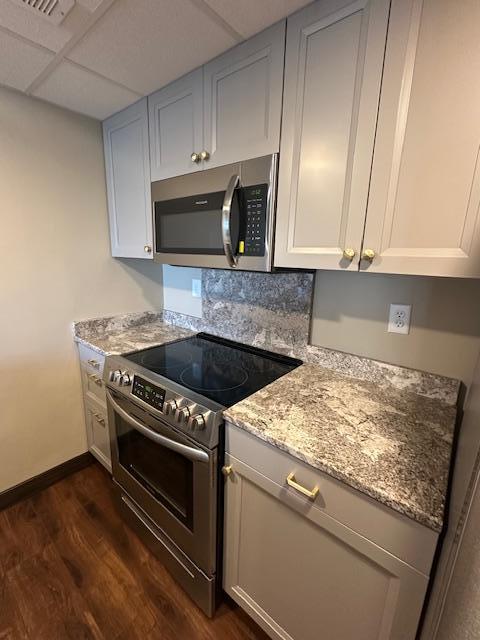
x,y
99,419
368,254
147,248
310,493
195,157
204,155
227,470
98,381
349,254
94,363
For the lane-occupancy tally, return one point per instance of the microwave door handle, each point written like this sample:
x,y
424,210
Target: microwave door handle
x,y
227,221
196,455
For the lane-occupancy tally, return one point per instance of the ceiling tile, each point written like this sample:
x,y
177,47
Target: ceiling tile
x,y
35,28
251,16
79,90
145,44
20,62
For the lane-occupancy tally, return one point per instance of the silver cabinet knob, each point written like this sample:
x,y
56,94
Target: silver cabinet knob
x,y
204,155
182,415
170,407
195,157
147,248
196,422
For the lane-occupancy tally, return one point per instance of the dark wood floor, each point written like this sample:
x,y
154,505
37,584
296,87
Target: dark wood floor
x,y
70,568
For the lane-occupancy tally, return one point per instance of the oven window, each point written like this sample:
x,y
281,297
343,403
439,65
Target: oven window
x,y
194,224
165,474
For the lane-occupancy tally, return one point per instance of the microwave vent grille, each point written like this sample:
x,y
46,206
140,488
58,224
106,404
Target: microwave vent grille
x,y
54,11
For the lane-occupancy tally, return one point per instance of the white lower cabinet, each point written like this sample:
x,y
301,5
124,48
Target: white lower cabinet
x,y
95,404
300,572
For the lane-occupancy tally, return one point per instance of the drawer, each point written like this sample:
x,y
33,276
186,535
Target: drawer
x,y
408,540
91,360
97,432
93,386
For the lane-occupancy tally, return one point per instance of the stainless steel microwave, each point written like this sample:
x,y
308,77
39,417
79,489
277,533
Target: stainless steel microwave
x,y
221,218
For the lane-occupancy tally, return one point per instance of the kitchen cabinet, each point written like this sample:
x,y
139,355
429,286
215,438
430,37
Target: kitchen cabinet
x,y
227,111
243,99
127,166
335,566
425,187
333,71
95,404
176,127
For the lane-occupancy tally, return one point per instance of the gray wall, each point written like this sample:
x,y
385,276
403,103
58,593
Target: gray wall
x,y
350,312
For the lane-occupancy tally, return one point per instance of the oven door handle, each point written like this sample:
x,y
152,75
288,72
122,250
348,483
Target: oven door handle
x,y
197,455
227,221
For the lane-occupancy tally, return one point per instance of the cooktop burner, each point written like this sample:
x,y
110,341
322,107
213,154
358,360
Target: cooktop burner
x,y
221,370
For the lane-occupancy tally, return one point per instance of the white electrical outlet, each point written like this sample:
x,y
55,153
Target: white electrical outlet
x,y
196,288
399,318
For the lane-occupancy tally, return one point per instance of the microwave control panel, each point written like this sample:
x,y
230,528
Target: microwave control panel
x,y
148,392
256,220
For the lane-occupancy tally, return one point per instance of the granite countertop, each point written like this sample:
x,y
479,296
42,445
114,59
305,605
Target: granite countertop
x,y
391,444
123,334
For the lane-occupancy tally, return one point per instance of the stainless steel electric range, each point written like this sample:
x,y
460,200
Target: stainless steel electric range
x,y
165,410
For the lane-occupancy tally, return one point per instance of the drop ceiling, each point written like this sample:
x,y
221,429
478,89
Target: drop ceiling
x,y
106,54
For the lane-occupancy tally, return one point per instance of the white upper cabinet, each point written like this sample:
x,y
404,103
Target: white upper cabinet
x,y
127,165
176,127
333,71
243,99
425,190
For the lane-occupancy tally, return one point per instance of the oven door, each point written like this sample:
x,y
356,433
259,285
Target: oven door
x,y
170,477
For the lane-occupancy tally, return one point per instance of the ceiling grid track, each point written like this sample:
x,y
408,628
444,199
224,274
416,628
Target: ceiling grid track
x,y
61,55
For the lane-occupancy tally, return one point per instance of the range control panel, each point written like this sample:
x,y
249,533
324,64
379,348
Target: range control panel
x,y
148,392
256,219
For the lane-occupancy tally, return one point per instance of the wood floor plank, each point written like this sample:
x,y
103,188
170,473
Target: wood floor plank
x,y
74,570
22,535
49,604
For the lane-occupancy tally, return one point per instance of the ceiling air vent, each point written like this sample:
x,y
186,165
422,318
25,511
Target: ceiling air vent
x,y
52,10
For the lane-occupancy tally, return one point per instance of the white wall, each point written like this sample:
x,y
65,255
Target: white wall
x,y
55,267
177,290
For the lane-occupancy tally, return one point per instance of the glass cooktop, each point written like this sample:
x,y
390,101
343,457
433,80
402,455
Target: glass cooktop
x,y
221,370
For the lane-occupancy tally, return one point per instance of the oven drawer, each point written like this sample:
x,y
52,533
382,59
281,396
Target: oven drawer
x,y
200,587
97,432
401,536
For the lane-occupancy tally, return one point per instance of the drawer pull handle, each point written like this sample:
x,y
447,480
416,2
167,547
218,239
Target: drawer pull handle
x,y
99,419
98,381
312,494
94,363
227,470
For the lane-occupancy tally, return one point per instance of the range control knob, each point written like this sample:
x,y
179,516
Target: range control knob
x,y
126,380
196,422
115,376
182,414
170,407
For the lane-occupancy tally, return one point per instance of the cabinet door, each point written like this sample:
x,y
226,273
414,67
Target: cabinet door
x,y
425,191
333,70
243,99
127,165
303,576
176,127
97,433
